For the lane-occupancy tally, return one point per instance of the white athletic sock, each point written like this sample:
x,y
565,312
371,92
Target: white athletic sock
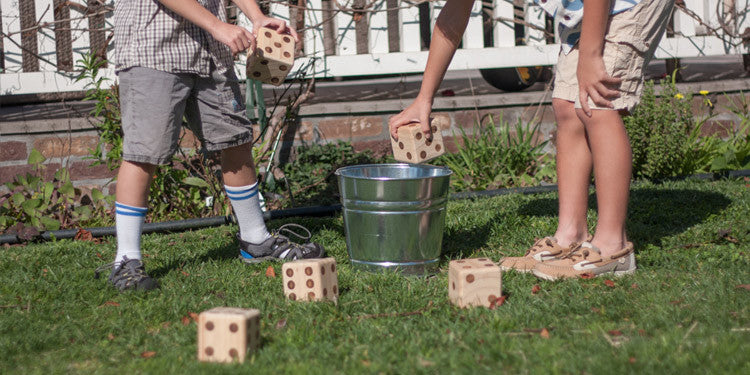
x,y
246,206
129,225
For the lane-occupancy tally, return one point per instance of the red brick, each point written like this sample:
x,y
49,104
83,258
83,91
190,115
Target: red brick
x,y
451,143
303,132
720,128
188,139
543,114
468,119
443,121
9,173
55,147
13,150
112,188
351,127
378,148
83,170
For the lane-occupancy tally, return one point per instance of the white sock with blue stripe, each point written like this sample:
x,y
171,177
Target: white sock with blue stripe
x,y
129,225
246,206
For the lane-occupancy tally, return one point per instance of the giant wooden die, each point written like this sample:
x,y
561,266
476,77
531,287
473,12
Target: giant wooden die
x,y
273,57
413,146
311,280
474,282
227,334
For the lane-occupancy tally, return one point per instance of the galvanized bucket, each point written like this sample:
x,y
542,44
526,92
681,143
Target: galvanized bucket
x,y
394,215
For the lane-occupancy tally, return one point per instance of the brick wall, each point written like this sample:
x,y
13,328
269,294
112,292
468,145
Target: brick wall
x,y
364,124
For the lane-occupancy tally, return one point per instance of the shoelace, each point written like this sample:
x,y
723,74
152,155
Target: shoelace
x,y
538,245
136,268
578,252
295,249
289,229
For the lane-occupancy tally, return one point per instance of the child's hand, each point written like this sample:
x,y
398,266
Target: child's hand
x,y
594,82
418,112
235,37
276,24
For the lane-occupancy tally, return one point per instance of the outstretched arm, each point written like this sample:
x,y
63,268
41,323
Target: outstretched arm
x,y
252,11
593,80
449,28
235,37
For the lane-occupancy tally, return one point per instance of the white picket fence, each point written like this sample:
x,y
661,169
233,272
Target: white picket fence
x,y
380,37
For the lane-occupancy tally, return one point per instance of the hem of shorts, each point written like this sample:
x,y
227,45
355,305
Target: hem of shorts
x,y
232,142
146,159
565,94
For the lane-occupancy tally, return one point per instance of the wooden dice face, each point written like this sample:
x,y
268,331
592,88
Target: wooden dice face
x,y
226,334
311,280
273,57
474,282
413,146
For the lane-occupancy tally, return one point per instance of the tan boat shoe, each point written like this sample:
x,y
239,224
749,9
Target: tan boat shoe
x,y
586,260
544,249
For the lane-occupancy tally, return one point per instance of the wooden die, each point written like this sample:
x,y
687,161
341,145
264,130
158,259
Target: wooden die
x,y
311,280
226,334
273,57
414,147
474,282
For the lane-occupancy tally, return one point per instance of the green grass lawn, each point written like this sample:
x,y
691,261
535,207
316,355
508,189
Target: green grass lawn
x,y
684,311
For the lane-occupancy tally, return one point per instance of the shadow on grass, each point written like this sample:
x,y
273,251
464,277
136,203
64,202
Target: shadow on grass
x,y
231,251
652,213
461,242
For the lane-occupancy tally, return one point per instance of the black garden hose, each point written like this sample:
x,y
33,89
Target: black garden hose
x,y
181,225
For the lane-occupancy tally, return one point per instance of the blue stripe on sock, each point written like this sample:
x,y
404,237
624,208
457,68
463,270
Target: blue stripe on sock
x,y
234,191
128,213
232,194
242,198
136,209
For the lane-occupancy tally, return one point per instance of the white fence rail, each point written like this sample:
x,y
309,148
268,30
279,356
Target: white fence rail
x,y
42,39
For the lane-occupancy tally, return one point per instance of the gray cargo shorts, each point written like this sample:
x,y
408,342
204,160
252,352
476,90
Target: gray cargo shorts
x,y
153,104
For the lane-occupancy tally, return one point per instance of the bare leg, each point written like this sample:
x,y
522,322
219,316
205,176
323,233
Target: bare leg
x,y
237,165
612,157
573,173
133,181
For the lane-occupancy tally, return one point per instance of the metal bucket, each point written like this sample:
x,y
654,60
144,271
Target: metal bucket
x,y
394,215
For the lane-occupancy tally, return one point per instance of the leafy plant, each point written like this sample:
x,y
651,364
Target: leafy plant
x,y
33,205
495,156
310,179
106,110
190,186
662,132
734,152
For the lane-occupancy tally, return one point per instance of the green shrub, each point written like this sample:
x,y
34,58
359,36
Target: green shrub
x,y
661,130
33,205
497,156
734,152
310,179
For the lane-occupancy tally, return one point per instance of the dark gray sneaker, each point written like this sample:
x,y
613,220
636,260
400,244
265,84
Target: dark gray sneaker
x,y
280,247
128,275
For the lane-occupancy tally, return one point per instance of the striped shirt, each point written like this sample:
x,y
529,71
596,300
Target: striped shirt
x,y
149,35
569,13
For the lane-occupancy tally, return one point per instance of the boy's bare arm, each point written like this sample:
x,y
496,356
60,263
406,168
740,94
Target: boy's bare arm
x,y
449,28
236,38
593,80
252,11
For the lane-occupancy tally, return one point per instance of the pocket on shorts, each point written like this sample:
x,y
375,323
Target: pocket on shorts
x,y
625,62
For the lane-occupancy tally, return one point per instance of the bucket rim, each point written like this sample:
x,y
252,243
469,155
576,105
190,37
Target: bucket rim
x,y
446,171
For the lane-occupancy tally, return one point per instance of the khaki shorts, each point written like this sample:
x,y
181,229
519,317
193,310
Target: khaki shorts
x,y
153,104
631,39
